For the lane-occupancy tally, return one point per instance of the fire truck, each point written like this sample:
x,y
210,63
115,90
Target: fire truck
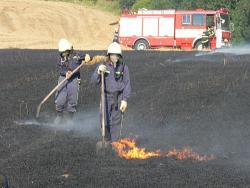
x,y
174,28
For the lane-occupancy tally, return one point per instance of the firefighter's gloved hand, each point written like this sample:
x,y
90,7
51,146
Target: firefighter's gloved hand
x,y
68,74
101,68
87,58
123,106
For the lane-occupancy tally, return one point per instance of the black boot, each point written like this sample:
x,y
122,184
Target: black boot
x,y
107,138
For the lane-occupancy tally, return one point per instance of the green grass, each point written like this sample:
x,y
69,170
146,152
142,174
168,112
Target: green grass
x,y
108,6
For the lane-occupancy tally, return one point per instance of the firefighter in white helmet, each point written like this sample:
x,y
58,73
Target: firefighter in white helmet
x,y
116,87
67,94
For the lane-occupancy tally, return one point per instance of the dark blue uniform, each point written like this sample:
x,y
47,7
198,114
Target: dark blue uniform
x,y
67,94
117,88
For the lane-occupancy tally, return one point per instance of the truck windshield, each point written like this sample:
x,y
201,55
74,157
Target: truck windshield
x,y
225,22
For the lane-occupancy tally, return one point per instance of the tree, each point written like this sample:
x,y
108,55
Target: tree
x,y
156,4
241,20
126,3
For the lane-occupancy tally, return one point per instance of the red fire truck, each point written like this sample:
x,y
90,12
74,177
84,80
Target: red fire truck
x,y
174,28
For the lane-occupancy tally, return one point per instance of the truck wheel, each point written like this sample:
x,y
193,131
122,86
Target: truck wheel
x,y
141,45
198,46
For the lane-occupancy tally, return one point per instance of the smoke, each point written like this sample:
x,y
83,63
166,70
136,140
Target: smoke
x,y
200,135
236,50
85,123
152,135
181,60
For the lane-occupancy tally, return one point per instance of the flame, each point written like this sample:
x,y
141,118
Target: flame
x,y
188,153
126,148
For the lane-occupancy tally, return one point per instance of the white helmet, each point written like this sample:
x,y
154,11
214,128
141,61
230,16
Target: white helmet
x,y
114,48
64,45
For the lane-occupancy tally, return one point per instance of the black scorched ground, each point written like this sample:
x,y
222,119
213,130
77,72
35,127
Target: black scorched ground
x,y
178,100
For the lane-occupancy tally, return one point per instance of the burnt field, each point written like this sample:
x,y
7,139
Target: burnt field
x,y
179,99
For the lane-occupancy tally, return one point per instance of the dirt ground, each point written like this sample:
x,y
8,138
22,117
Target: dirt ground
x,y
178,99
35,24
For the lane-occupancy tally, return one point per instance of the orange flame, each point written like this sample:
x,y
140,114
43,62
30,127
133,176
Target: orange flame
x,y
126,148
188,153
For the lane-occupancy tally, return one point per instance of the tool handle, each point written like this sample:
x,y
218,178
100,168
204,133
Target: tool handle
x,y
103,104
55,88
120,135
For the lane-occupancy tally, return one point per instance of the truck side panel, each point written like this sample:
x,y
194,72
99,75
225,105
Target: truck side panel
x,y
130,27
159,31
166,27
150,26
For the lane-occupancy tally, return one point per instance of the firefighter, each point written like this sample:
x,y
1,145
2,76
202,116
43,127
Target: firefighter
x,y
116,36
67,94
206,36
117,89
